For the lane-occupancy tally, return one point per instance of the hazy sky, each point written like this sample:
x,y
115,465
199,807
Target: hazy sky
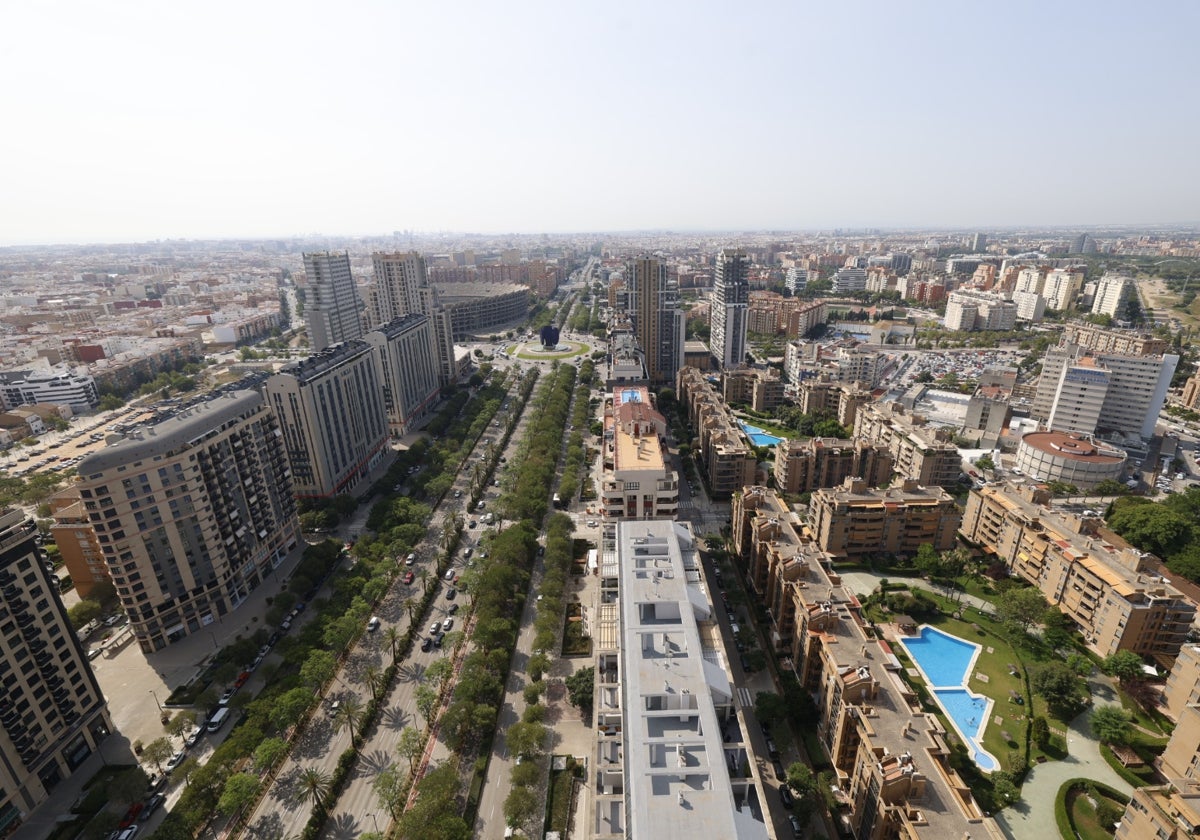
x,y
131,120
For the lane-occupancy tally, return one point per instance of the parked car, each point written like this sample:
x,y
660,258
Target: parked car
x,y
408,577
435,628
152,804
373,624
447,625
175,760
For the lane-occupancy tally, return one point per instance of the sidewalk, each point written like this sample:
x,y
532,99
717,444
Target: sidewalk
x,y
1029,817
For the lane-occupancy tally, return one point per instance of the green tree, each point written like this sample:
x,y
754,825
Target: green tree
x,y
1020,608
1112,724
1039,731
83,612
1004,788
521,807
985,463
269,753
1057,683
927,560
427,700
318,668
526,738
769,707
1126,666
1151,527
804,784
287,709
127,786
241,790
391,789
158,751
581,688
410,746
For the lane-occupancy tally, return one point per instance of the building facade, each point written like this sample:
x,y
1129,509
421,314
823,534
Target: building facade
x,y
192,514
1112,593
657,319
802,466
921,453
637,481
730,301
891,759
332,308
408,371
79,391
331,413
402,287
54,714
855,520
728,460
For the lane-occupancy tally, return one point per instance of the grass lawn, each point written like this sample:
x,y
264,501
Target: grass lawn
x,y
1154,721
1083,815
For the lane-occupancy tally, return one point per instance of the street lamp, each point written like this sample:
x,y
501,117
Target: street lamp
x,y
155,696
213,636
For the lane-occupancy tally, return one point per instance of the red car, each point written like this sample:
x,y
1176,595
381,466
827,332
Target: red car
x,y
132,814
408,577
241,679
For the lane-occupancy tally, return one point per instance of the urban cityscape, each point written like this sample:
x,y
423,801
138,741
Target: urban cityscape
x,y
852,533
772,421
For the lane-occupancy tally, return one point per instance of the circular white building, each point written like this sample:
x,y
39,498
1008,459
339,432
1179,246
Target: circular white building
x,y
1070,458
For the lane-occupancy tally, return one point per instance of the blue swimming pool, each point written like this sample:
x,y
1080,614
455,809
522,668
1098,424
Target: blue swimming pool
x,y
758,437
945,659
946,662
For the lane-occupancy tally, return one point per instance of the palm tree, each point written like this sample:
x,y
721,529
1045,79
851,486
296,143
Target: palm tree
x,y
349,715
424,576
392,637
314,787
373,679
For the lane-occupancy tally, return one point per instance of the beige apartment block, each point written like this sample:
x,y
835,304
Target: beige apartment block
x,y
891,760
1183,683
192,514
77,543
1111,591
802,466
921,452
856,520
1169,812
637,482
54,714
1181,758
725,453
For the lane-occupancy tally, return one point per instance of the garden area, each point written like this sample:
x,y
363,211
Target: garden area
x,y
1088,810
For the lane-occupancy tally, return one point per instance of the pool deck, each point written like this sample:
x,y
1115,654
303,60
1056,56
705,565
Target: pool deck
x,y
975,743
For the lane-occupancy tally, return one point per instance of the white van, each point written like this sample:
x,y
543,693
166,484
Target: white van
x,y
218,720
373,624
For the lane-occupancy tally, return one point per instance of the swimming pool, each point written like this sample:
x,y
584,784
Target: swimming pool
x,y
946,662
758,437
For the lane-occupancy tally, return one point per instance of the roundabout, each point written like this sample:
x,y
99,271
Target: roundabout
x,y
534,351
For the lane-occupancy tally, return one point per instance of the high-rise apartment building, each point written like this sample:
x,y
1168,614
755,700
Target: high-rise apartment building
x,y
1113,295
921,452
802,466
1137,388
331,414
408,370
402,287
730,300
192,513
657,319
53,715
797,280
1062,287
1079,398
332,308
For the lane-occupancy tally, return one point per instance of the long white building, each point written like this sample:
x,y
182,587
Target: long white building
x,y
60,387
664,700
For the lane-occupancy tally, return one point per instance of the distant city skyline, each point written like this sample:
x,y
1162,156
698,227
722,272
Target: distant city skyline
x,y
133,122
